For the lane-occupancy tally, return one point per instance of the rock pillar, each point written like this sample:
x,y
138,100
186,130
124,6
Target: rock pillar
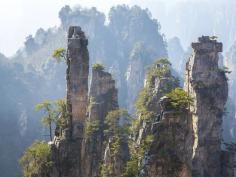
x,y
207,84
77,79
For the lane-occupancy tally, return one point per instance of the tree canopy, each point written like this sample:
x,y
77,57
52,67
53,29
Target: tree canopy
x,y
36,160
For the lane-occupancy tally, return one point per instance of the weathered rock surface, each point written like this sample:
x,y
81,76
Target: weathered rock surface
x,y
207,84
227,164
103,98
156,87
170,153
66,149
188,143
77,79
117,161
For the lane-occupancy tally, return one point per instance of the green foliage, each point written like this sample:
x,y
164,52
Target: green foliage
x,y
61,113
144,146
132,168
113,126
115,146
148,141
91,127
98,67
54,113
59,54
179,99
137,154
36,160
92,102
116,132
142,103
106,170
163,61
160,69
47,107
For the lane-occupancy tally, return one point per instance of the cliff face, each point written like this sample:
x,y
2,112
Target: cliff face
x,y
168,154
77,79
66,149
207,84
103,98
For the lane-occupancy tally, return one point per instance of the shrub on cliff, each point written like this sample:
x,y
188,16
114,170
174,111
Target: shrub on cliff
x,y
157,71
98,67
59,54
91,127
160,69
142,104
117,126
106,170
36,160
113,120
137,154
179,99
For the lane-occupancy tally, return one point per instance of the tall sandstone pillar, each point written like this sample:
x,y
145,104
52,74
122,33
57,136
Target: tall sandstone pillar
x,y
77,79
66,149
207,84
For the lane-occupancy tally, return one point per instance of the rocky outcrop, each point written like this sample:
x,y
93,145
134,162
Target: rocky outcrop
x,y
167,128
155,87
103,98
207,84
116,161
170,152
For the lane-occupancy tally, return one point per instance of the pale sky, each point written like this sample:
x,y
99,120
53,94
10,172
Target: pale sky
x,y
19,18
